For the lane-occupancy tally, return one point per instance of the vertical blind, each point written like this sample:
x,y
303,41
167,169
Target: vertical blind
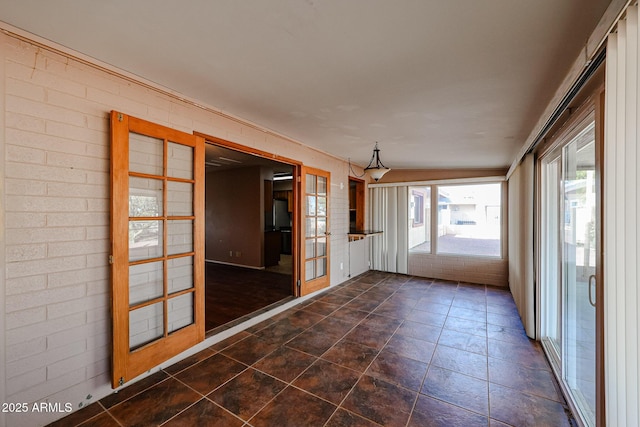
x,y
389,214
620,222
521,245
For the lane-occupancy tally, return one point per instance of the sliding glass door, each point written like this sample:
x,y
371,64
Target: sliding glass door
x,y
568,264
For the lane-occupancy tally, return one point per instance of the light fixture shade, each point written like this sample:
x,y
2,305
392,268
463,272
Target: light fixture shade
x,y
375,168
377,173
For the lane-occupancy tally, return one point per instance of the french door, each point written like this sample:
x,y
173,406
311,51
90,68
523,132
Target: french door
x,y
157,238
569,264
315,217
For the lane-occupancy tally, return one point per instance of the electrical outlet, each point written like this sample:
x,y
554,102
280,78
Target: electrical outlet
x,y
230,253
341,266
238,254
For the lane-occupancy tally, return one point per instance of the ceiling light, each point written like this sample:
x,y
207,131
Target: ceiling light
x,y
375,168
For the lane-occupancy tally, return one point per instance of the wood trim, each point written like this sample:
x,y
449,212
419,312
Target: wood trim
x,y
417,175
359,202
248,150
296,211
119,233
199,236
295,232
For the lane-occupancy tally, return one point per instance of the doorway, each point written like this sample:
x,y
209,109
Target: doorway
x,y
249,224
569,262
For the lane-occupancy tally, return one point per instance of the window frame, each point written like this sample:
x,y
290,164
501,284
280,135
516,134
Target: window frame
x,y
417,208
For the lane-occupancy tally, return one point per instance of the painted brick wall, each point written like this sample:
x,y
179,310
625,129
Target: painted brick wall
x,y
485,271
56,207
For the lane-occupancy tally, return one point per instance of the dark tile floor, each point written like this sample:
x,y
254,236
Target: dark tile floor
x,y
381,349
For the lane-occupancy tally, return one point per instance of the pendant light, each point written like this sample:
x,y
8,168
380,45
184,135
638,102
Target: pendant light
x,y
375,168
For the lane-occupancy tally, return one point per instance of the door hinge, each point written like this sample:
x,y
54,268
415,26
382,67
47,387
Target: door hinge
x,y
299,179
111,259
121,381
299,285
120,117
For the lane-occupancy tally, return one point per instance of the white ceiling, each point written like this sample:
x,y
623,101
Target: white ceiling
x,y
439,83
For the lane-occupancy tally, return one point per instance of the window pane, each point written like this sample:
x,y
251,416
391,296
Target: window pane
x,y
310,270
419,219
179,237
322,186
310,228
180,274
145,154
322,246
310,248
179,198
311,184
311,205
145,240
145,197
145,282
322,226
179,161
146,324
321,267
180,312
322,206
469,218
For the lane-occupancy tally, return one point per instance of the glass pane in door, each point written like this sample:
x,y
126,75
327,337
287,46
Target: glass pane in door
x,y
146,324
315,226
579,269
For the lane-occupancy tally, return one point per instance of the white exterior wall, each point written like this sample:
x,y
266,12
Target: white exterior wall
x,y
54,152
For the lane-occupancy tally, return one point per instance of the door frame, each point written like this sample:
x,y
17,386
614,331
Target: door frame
x,y
594,103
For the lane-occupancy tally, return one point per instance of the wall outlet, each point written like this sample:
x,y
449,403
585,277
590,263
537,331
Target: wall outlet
x,y
238,254
230,253
341,266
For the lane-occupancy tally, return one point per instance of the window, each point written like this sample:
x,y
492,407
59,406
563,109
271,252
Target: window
x,y
469,219
420,219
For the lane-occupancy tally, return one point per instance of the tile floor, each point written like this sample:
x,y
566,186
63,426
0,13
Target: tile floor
x,y
381,349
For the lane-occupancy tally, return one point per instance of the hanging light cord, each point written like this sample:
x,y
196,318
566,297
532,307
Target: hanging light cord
x,y
352,172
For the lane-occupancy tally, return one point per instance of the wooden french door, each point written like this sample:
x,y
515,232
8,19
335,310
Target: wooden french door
x,y
157,239
315,230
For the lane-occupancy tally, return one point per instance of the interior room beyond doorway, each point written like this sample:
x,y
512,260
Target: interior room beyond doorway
x,y
248,235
